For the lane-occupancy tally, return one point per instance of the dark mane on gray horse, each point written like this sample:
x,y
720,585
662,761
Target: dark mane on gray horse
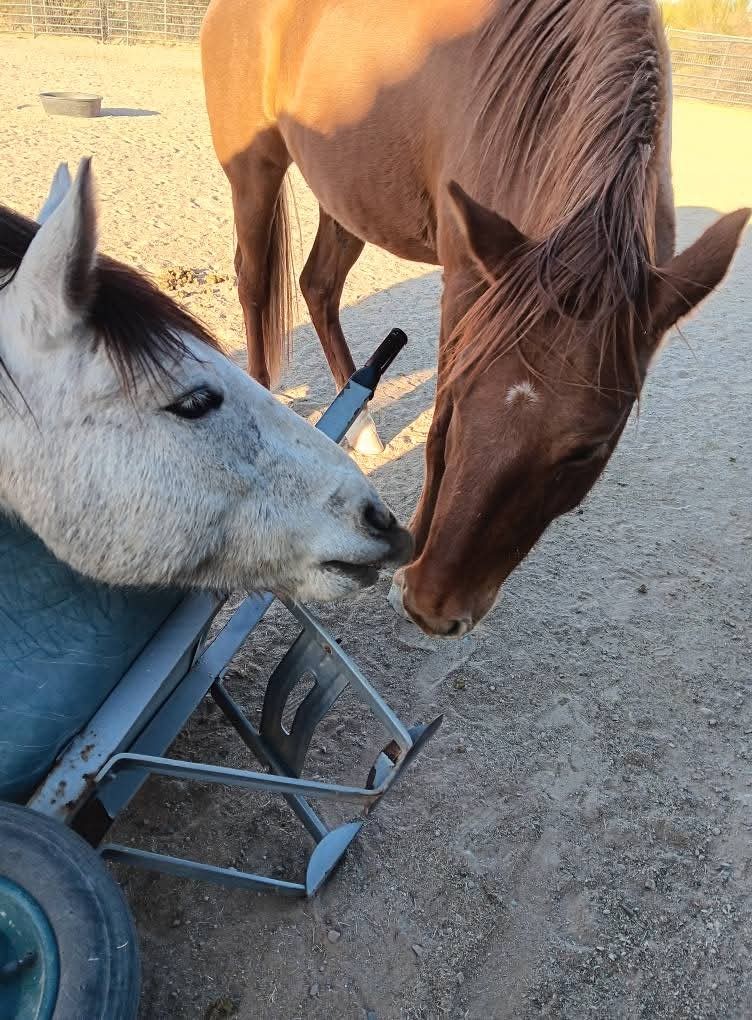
x,y
137,324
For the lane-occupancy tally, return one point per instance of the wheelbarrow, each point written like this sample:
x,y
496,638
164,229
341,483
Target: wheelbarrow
x,y
95,685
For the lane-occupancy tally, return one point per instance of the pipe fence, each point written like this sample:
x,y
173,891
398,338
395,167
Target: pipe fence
x,y
128,21
714,68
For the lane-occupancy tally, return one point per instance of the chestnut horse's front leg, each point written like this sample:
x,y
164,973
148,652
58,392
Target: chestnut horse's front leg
x,y
461,287
335,251
256,183
421,522
420,525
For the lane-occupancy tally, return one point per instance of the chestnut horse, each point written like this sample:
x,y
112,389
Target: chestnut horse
x,y
524,146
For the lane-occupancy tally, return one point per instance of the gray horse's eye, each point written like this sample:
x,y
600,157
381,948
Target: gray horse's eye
x,y
196,403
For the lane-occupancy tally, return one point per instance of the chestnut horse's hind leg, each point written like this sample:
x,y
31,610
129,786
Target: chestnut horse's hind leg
x,y
256,183
335,251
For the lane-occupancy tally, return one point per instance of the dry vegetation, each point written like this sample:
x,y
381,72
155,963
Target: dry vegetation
x,y
726,17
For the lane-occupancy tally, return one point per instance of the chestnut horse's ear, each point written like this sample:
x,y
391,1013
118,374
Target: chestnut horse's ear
x,y
689,277
489,237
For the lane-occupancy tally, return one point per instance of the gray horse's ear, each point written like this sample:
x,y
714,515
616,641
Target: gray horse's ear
x,y
59,188
57,273
678,287
491,240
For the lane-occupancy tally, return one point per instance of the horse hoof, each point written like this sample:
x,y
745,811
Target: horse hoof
x,y
363,437
395,600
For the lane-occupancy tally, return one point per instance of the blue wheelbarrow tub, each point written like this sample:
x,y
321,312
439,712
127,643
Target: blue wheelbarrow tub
x,y
65,642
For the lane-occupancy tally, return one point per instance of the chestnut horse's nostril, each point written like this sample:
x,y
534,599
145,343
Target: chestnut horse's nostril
x,y
433,625
378,517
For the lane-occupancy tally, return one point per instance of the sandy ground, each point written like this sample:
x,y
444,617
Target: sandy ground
x,y
576,841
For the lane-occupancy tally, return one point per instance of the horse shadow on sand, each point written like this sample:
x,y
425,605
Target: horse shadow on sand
x,y
404,400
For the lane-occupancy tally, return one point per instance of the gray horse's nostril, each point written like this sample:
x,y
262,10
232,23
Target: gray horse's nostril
x,y
378,518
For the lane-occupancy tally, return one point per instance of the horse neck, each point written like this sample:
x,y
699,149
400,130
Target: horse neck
x,y
535,153
463,285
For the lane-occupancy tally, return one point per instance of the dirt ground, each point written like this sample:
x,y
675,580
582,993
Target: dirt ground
x,y
576,840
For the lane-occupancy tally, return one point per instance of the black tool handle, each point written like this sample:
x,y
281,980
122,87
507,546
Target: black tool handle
x,y
387,351
370,374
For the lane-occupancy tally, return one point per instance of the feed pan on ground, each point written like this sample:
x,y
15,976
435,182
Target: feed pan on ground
x,y
71,104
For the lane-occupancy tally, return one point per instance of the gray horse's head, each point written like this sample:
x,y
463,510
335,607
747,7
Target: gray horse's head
x,y
140,454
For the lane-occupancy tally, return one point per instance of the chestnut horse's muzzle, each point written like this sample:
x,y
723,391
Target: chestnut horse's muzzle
x,y
432,624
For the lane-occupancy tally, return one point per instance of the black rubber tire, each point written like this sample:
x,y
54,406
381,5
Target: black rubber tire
x,y
100,973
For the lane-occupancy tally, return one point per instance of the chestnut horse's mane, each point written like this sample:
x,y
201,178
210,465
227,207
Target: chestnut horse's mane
x,y
572,101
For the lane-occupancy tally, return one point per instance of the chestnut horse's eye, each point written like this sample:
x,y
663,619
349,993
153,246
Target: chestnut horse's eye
x,y
585,454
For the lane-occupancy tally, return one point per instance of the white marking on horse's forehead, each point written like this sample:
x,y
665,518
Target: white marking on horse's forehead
x,y
522,391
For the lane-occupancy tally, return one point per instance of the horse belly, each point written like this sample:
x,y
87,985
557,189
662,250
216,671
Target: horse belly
x,y
375,192
362,94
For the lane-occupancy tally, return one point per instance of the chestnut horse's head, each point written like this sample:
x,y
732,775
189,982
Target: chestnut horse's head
x,y
545,368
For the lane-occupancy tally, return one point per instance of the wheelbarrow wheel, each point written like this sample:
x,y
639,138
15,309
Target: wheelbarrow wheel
x,y
68,945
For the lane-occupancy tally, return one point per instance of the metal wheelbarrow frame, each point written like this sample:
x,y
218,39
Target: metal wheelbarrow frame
x,y
126,740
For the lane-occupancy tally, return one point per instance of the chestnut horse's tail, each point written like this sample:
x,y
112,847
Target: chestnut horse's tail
x,y
279,311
